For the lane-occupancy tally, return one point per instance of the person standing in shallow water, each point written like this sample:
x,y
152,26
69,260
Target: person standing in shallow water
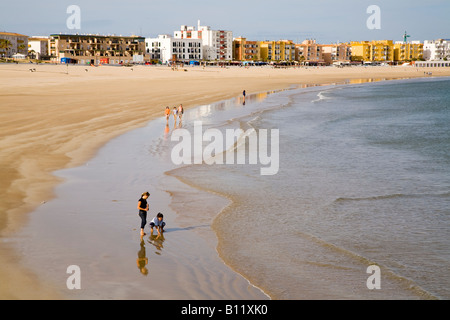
x,y
180,112
175,115
143,209
167,113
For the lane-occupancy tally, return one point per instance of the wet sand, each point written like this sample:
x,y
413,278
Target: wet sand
x,y
59,117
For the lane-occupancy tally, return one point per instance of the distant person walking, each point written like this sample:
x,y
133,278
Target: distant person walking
x,y
244,94
143,209
167,113
180,111
175,115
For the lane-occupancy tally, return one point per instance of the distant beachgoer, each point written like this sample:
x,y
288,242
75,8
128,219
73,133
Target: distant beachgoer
x,y
159,223
180,111
175,113
143,208
167,113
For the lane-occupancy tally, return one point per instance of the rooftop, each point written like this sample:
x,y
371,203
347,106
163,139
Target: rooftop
x,y
93,35
12,34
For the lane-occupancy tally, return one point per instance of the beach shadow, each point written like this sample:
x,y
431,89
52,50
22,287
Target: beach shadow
x,y
166,230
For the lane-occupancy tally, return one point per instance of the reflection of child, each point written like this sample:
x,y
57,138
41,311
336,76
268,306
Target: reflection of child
x,y
159,223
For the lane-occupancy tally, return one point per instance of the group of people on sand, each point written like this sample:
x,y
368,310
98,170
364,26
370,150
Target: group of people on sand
x,y
177,113
157,222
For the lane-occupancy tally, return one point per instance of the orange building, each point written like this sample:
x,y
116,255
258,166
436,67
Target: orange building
x,y
309,52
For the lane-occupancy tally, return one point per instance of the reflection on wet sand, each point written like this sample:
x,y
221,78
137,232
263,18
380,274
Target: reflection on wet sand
x,y
166,131
157,241
178,125
142,259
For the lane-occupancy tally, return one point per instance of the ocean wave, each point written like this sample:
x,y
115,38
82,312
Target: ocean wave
x,y
404,282
321,97
392,196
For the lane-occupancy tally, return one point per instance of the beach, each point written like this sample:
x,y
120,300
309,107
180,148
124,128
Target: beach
x,y
60,116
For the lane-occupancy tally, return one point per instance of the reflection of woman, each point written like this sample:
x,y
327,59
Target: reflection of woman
x,y
142,259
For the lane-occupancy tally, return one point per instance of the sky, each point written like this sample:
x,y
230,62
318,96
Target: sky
x,y
327,21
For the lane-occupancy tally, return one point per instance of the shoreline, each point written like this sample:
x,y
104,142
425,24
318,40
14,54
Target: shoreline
x,y
65,139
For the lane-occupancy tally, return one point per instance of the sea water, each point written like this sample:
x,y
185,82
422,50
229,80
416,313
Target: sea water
x,y
364,179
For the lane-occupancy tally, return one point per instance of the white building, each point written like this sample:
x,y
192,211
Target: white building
x,y
217,44
166,48
38,47
436,50
432,64
12,43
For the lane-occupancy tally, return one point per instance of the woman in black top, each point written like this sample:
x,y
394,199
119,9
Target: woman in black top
x,y
143,208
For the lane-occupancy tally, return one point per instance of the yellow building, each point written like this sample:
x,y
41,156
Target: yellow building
x,y
282,50
361,51
408,51
244,50
373,51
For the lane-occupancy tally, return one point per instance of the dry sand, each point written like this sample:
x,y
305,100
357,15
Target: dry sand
x,y
58,116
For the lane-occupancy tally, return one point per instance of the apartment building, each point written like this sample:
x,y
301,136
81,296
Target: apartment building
x,y
12,43
217,45
336,53
244,50
436,50
96,49
167,49
281,50
408,51
373,51
38,47
309,52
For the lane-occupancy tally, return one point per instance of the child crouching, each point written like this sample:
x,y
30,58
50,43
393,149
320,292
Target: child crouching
x,y
159,223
